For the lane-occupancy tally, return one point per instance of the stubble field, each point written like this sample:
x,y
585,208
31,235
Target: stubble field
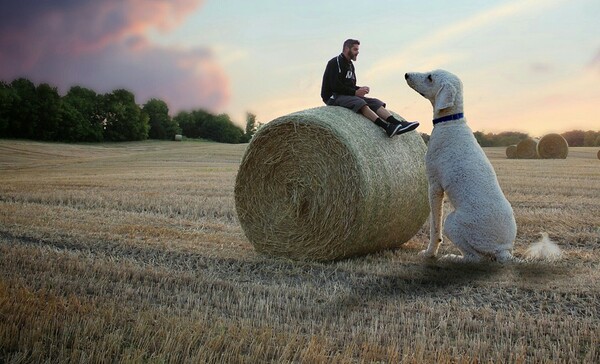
x,y
132,252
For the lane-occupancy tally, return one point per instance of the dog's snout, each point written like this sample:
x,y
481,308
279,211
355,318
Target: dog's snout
x,y
406,76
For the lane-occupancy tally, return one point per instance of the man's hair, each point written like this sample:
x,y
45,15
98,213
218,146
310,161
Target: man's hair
x,y
348,43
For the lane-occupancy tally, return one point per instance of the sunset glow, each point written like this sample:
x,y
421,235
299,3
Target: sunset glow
x,y
530,66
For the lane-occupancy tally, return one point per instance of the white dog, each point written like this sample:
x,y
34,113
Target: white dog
x,y
482,225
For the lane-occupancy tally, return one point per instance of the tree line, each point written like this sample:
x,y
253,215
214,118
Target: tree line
x,y
575,138
38,112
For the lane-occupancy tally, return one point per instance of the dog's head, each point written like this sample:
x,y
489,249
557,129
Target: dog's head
x,y
442,88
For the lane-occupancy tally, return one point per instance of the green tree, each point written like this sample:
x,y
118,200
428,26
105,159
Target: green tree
x,y
71,123
186,123
221,129
191,122
503,139
7,98
124,118
162,126
507,138
590,137
574,138
251,127
23,116
48,113
81,116
482,139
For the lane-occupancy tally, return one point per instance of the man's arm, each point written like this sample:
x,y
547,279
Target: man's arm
x,y
337,80
361,91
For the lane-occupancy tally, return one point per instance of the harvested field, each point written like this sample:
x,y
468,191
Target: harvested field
x,y
132,252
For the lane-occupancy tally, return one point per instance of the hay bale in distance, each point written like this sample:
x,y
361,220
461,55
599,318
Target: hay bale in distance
x,y
178,137
553,146
326,183
527,149
511,152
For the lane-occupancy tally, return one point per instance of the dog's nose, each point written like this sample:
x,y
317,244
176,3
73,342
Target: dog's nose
x,y
406,76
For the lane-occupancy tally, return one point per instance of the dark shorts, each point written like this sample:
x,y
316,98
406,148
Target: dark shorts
x,y
355,103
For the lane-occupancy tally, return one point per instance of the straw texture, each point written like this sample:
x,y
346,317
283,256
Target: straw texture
x,y
511,152
326,183
527,149
553,146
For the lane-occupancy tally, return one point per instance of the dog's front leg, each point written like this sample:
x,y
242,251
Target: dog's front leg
x,y
436,204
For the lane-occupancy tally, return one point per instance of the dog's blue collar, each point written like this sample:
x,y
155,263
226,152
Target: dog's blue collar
x,y
448,118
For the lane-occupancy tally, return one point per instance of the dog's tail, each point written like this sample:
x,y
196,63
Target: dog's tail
x,y
545,249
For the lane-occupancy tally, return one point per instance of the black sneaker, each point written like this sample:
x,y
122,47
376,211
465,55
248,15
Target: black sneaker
x,y
405,127
392,129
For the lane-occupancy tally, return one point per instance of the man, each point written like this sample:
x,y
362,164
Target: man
x,y
339,89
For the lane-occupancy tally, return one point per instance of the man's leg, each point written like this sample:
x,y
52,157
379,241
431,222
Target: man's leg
x,y
369,114
390,129
405,126
360,105
383,113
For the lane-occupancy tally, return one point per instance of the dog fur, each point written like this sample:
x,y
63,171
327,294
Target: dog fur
x,y
482,224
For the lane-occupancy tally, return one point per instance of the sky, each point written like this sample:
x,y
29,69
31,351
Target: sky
x,y
527,65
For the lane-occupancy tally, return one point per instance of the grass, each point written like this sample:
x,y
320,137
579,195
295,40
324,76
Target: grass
x,y
132,252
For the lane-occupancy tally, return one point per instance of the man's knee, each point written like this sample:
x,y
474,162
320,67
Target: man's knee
x,y
375,104
364,109
359,105
353,103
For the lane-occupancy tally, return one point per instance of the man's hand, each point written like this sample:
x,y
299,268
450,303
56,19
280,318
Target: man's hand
x,y
362,91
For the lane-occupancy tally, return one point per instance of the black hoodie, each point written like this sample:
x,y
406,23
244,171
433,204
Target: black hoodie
x,y
339,78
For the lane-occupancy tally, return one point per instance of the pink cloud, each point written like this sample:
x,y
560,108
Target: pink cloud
x,y
103,46
185,79
115,20
72,27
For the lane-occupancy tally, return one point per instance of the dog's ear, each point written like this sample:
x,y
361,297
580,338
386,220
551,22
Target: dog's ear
x,y
445,96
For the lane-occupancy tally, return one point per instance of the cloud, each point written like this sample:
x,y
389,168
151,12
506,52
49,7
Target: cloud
x,y
103,45
540,67
78,26
427,46
594,64
185,79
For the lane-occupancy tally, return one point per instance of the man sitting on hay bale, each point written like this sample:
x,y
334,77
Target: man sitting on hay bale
x,y
339,89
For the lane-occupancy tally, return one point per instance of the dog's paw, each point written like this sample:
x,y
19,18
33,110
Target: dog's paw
x,y
426,254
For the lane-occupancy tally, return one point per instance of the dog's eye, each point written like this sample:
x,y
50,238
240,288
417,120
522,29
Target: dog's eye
x,y
430,78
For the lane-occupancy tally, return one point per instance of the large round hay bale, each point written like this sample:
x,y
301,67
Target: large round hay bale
x,y
178,137
326,183
527,149
511,152
553,146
